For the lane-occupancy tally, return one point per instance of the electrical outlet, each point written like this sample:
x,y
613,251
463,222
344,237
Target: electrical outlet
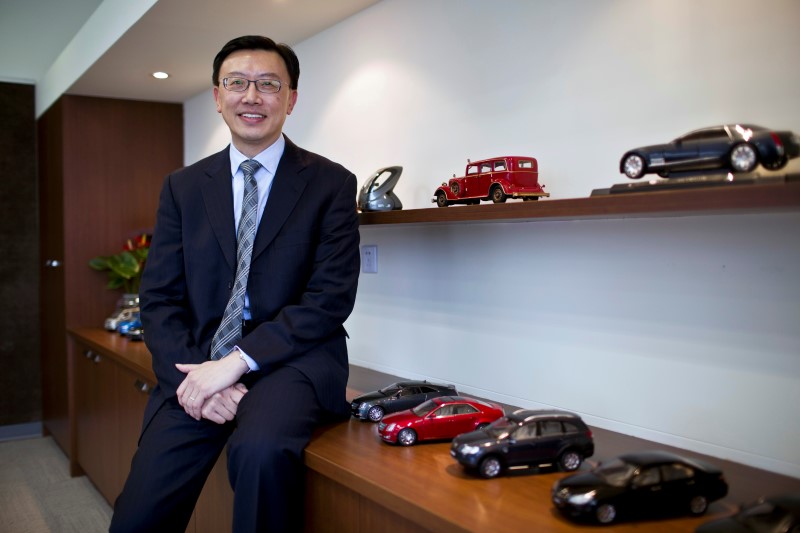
x,y
369,258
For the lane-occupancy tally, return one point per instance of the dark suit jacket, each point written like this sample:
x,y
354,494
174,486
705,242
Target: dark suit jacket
x,y
303,273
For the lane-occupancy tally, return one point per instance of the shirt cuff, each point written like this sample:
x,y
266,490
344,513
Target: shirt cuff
x,y
247,359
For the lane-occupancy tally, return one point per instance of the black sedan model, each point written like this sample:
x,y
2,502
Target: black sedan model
x,y
776,514
736,147
640,485
523,439
397,397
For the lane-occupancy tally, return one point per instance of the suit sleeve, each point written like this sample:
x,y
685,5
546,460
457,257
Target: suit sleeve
x,y
330,292
163,297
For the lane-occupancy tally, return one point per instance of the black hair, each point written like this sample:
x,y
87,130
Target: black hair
x,y
257,42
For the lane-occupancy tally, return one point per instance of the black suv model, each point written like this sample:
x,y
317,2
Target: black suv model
x,y
397,397
525,438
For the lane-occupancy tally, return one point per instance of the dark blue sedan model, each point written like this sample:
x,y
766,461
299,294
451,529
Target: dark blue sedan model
x,y
640,485
397,397
735,147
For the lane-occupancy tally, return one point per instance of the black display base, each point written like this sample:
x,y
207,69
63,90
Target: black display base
x,y
696,181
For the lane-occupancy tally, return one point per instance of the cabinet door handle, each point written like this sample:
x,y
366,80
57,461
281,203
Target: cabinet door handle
x,y
88,354
97,359
141,386
53,263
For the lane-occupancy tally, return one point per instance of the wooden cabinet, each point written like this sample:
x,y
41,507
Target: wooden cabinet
x,y
101,165
95,384
109,404
132,395
214,509
111,381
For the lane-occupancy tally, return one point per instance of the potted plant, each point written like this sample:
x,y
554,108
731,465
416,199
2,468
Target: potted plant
x,y
125,268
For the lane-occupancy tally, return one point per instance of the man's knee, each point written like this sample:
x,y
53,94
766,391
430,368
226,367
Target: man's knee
x,y
266,452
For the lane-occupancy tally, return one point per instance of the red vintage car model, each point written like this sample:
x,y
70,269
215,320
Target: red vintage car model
x,y
439,418
493,179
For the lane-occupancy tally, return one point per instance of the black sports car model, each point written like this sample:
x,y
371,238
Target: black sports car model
x,y
776,514
525,438
397,397
737,147
640,485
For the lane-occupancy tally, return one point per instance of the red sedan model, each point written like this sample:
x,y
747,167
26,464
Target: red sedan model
x,y
437,419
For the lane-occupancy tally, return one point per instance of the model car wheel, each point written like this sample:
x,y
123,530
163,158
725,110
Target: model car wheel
x,y
633,166
698,505
743,158
605,513
777,164
570,460
375,413
490,467
407,437
441,199
455,188
498,196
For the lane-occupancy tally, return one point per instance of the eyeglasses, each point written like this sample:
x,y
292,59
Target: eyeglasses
x,y
240,85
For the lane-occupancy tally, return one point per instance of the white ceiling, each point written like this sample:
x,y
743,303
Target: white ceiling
x,y
180,37
29,44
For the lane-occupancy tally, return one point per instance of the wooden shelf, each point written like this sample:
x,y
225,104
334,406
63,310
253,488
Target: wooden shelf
x,y
750,198
357,483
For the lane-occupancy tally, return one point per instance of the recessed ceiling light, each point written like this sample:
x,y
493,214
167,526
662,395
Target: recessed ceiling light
x,y
160,75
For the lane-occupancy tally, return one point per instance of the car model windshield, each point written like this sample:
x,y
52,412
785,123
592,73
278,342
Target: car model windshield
x,y
391,389
501,428
424,408
616,473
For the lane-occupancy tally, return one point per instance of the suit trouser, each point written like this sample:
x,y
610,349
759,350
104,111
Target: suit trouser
x,y
273,424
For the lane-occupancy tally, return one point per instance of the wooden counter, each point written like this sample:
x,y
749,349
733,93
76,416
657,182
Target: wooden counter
x,y
356,483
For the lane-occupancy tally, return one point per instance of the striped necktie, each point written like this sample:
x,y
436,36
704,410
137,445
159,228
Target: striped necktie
x,y
230,329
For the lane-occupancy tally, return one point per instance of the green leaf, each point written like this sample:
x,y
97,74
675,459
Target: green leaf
x,y
99,263
140,254
125,268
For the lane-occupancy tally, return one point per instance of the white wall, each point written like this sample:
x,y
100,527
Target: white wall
x,y
683,331
680,330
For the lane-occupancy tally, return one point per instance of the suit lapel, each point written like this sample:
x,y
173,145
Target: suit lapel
x,y
287,187
218,198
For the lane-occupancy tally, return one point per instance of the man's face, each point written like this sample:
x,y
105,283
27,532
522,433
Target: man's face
x,y
255,119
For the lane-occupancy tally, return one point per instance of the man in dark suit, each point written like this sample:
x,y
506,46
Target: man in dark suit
x,y
286,369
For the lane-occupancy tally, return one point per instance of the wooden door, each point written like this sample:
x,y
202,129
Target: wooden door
x,y
55,398
133,392
101,165
97,420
